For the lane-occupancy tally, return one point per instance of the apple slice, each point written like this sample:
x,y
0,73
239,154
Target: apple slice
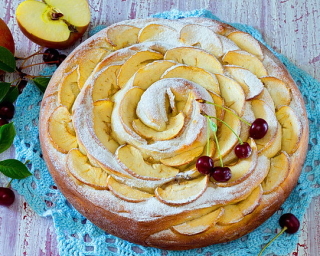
x,y
136,61
68,89
53,23
126,192
61,131
6,39
195,57
194,74
279,170
199,225
233,213
291,129
274,148
131,159
279,91
232,93
183,158
180,193
250,84
121,36
266,97
247,43
79,166
158,32
202,37
105,83
247,61
173,129
102,111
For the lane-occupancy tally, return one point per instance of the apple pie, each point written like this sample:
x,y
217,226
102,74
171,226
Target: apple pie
x,y
129,113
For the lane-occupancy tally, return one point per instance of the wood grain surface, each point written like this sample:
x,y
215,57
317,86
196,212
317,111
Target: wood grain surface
x,y
290,26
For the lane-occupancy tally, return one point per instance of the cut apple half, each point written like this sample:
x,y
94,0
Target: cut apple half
x,y
105,83
79,166
279,170
250,84
291,129
53,23
121,36
199,225
158,32
202,37
126,192
61,130
68,89
247,61
131,159
232,93
183,158
102,111
278,90
173,129
180,193
135,62
197,75
195,57
247,43
243,168
233,213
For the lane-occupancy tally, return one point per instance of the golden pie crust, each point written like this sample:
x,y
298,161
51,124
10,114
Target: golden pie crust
x,y
121,131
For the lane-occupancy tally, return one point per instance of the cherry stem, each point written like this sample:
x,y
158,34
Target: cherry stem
x,y
239,139
212,103
30,56
218,148
49,62
265,247
9,183
208,137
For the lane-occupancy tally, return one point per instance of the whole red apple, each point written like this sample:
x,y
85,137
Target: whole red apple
x,y
6,39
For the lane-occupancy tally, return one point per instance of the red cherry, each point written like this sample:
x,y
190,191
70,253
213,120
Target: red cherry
x,y
258,128
243,150
221,174
21,85
6,196
204,164
6,110
289,221
3,121
51,55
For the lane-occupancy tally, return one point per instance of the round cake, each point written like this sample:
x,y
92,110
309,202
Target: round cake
x,y
141,123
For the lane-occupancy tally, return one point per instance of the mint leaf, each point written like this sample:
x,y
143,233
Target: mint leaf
x,y
7,60
4,89
212,125
12,94
14,169
7,133
41,82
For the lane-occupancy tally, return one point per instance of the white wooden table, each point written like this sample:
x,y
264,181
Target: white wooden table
x,y
292,27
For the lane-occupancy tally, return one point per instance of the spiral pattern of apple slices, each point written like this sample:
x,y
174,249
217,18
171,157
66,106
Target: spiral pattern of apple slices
x,y
125,119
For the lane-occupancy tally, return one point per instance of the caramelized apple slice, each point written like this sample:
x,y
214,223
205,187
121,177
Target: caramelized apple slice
x,y
279,170
121,36
183,158
158,32
233,213
61,131
195,57
291,129
179,193
126,192
132,161
247,43
136,61
79,166
199,225
247,61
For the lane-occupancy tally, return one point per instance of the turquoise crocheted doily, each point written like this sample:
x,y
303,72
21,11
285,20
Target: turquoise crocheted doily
x,y
78,236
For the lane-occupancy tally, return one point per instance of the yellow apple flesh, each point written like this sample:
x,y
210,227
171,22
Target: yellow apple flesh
x,y
6,39
53,23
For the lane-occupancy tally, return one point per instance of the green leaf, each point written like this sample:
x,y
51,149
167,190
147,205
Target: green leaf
x,y
14,169
12,94
212,125
41,82
7,133
4,89
7,60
